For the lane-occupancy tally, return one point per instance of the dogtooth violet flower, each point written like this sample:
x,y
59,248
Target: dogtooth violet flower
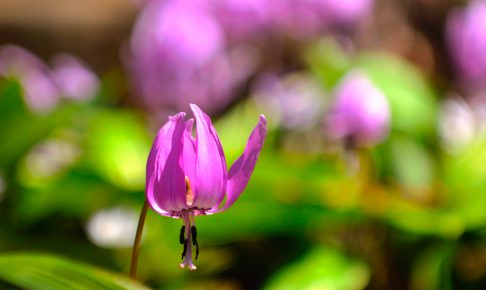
x,y
361,113
188,177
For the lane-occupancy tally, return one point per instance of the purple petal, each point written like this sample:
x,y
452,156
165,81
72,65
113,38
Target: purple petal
x,y
189,125
210,184
189,159
165,186
189,162
241,170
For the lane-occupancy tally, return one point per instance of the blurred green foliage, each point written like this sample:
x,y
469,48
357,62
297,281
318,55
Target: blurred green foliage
x,y
41,271
411,213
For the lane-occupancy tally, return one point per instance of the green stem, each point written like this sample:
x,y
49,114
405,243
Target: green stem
x,y
138,239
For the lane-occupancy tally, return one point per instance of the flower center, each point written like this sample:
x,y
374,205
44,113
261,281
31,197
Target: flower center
x,y
189,193
188,238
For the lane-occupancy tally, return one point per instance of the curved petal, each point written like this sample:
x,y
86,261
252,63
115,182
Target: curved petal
x,y
189,164
241,170
165,180
189,124
210,184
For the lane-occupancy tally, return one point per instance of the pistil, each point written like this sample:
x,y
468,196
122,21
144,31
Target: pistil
x,y
188,218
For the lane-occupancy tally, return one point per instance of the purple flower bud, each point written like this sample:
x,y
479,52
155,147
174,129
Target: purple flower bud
x,y
360,114
40,92
466,38
74,78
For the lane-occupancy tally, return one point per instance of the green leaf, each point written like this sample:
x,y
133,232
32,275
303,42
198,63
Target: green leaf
x,y
322,268
21,129
76,195
44,271
118,146
328,61
423,220
411,164
465,178
432,269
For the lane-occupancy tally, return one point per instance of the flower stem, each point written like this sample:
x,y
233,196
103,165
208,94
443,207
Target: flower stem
x,y
138,239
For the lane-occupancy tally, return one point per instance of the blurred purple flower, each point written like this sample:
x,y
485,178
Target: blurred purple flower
x,y
234,16
178,56
344,12
187,176
309,18
466,37
179,32
300,19
44,88
182,51
296,18
360,114
74,78
297,99
40,92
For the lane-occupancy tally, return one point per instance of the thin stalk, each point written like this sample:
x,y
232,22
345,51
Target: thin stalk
x,y
138,239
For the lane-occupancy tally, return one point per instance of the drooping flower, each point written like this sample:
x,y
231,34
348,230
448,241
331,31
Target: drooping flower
x,y
360,115
187,176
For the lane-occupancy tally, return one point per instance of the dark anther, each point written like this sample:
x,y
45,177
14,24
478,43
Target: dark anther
x,y
194,235
182,238
197,250
184,251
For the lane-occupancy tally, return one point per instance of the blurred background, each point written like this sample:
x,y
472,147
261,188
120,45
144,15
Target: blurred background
x,y
373,174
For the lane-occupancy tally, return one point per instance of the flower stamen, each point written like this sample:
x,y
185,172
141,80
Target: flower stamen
x,y
184,250
190,231
182,236
194,235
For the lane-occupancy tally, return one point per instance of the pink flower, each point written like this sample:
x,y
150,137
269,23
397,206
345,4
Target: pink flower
x,y
360,114
187,176
466,39
177,55
44,87
40,91
74,78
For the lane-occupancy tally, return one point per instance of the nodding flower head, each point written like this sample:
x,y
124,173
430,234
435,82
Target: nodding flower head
x,y
187,176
